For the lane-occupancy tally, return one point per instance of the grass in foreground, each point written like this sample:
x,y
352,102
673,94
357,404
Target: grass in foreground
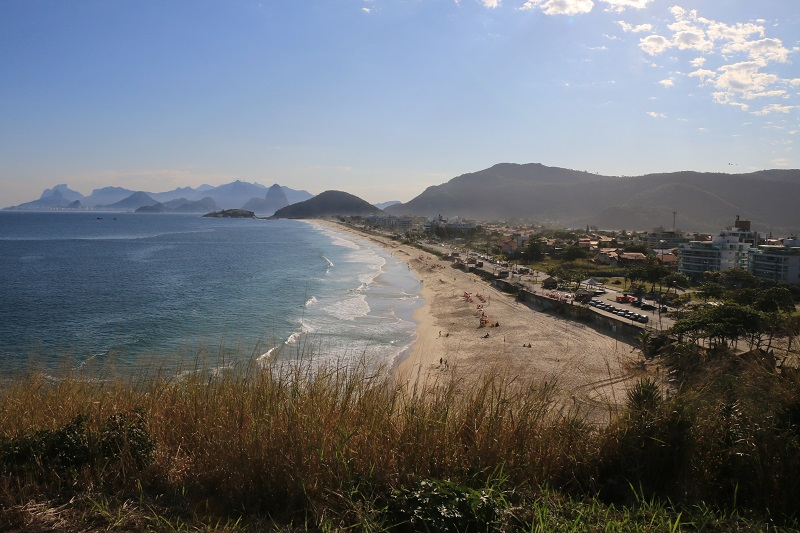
x,y
302,448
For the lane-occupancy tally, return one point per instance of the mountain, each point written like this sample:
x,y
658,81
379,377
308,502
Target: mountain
x,y
181,205
563,197
204,205
59,196
295,196
328,204
230,195
61,192
274,200
384,205
181,193
154,209
107,196
132,202
235,194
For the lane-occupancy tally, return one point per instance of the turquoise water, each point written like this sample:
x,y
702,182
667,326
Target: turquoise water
x,y
151,289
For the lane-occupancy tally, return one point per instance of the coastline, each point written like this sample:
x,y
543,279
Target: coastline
x,y
591,370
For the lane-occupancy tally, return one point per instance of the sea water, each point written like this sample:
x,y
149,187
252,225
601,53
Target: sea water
x,y
143,291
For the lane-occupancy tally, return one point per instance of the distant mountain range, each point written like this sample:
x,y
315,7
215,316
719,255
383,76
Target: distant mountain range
x,y
569,198
697,201
234,195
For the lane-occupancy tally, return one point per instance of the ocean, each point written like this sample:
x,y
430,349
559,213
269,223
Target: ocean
x,y
146,292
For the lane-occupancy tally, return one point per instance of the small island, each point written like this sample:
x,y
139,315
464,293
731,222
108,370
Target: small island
x,y
231,213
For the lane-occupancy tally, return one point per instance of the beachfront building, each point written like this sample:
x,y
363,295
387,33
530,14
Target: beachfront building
x,y
777,262
453,223
660,238
401,224
730,249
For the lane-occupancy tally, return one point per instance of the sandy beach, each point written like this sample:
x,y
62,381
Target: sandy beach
x,y
591,370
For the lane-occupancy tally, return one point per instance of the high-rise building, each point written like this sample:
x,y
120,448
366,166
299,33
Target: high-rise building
x,y
730,249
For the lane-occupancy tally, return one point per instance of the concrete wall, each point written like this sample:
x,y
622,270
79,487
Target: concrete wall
x,y
603,323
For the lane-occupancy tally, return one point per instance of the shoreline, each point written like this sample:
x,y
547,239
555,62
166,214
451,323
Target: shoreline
x,y
591,370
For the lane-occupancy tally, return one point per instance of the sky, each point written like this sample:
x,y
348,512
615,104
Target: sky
x,y
383,98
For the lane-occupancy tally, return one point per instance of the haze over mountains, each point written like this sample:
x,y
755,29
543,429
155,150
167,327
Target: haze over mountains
x,y
202,199
703,202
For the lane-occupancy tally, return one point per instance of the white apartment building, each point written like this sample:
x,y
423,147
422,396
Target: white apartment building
x,y
777,262
730,249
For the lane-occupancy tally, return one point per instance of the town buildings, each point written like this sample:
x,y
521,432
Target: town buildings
x,y
730,249
777,262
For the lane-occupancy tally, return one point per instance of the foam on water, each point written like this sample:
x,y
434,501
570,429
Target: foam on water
x,y
349,309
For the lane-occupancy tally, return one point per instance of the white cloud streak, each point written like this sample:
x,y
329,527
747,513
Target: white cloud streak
x,y
560,7
577,7
630,28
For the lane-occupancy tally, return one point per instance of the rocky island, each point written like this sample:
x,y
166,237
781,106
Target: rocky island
x,y
231,213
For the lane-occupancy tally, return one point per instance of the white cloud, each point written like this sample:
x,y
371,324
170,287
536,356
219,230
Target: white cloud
x,y
738,32
560,7
621,5
746,80
634,29
656,115
764,49
366,9
703,74
654,44
667,83
702,130
774,108
576,7
742,53
491,4
698,62
692,39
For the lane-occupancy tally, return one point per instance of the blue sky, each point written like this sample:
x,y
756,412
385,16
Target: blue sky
x,y
383,98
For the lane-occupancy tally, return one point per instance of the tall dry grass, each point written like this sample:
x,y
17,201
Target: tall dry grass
x,y
293,440
279,438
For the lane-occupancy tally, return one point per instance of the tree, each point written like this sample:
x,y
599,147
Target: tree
x,y
711,291
571,253
721,324
534,251
676,280
737,278
636,248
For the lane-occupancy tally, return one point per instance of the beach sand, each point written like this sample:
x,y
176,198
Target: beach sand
x,y
590,370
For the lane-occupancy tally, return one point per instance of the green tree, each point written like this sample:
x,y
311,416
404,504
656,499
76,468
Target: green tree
x,y
721,324
737,278
534,251
573,253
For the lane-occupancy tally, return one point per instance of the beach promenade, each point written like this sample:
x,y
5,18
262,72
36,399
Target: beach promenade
x,y
591,370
